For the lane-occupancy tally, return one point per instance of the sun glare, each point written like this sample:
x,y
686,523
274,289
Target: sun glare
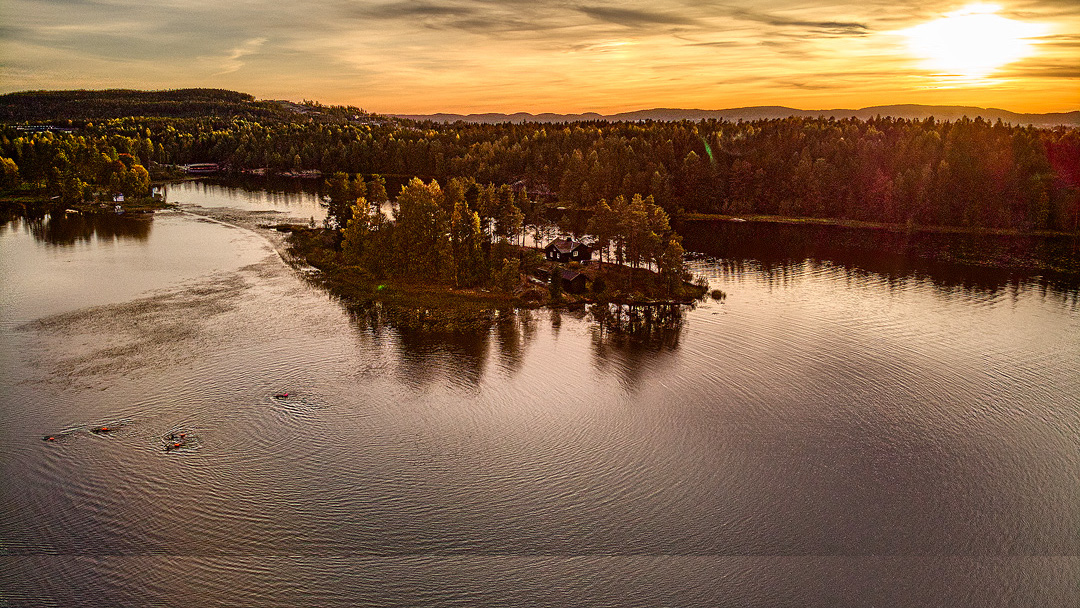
x,y
972,42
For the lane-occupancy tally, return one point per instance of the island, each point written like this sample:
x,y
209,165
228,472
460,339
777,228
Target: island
x,y
464,245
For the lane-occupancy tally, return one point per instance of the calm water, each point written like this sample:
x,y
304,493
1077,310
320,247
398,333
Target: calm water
x,y
828,436
293,197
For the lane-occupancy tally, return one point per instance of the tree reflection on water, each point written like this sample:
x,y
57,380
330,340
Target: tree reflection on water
x,y
628,340
63,229
975,265
463,345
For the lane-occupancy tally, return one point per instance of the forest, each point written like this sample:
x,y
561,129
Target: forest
x,y
967,173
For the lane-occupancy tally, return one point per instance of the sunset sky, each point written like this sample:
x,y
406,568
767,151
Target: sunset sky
x,y
409,56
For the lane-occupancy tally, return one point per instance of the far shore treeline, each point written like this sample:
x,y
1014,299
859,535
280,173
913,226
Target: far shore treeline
x,y
968,173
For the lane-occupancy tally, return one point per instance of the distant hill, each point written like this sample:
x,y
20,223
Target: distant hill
x,y
41,106
118,103
768,112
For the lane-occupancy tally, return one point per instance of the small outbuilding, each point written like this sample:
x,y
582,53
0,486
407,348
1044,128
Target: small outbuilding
x,y
565,251
574,282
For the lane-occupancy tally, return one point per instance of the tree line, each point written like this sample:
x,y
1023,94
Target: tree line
x,y
71,168
969,173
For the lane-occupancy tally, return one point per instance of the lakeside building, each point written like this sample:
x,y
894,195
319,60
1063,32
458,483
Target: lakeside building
x,y
565,251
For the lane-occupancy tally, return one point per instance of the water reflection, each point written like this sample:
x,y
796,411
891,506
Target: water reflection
x,y
242,186
65,229
300,198
513,329
973,264
629,341
948,282
297,197
461,346
433,345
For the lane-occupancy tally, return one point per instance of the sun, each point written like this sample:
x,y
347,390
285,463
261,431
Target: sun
x,y
972,42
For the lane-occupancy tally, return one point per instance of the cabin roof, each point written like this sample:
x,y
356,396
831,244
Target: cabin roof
x,y
566,245
570,275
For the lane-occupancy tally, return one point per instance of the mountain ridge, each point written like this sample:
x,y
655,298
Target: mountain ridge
x,y
905,111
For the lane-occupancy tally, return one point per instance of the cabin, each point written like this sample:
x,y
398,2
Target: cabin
x,y
573,281
565,251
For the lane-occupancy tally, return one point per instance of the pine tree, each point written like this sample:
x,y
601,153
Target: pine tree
x,y
356,235
465,243
603,225
421,234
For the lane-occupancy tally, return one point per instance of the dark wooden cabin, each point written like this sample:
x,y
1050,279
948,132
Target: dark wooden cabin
x,y
574,282
565,251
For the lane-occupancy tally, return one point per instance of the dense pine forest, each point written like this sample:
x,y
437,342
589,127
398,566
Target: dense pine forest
x,y
966,173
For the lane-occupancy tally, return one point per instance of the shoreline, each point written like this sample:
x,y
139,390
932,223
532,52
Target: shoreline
x,y
868,225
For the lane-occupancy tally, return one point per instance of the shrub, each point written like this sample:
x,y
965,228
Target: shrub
x,y
599,285
531,261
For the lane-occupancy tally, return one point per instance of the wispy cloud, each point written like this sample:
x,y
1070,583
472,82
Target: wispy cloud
x,y
234,60
718,44
634,18
1050,70
836,28
1065,42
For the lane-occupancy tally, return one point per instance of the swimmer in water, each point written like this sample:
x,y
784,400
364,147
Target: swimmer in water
x,y
281,395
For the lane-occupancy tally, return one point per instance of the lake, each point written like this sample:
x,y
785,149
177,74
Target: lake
x,y
297,198
831,434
